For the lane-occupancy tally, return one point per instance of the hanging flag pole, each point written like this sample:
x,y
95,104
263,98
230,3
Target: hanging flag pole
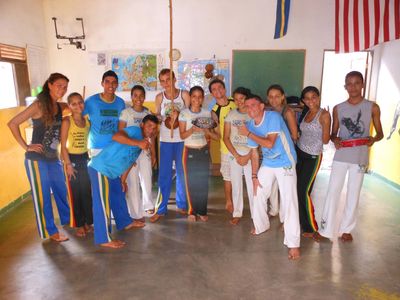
x,y
282,18
170,66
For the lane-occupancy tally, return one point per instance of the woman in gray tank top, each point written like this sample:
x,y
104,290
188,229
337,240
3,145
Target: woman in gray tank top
x,y
314,132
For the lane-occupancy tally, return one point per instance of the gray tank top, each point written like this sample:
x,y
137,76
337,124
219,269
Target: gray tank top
x,y
310,140
354,122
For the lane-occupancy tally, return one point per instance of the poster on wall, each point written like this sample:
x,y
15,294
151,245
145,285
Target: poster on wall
x,y
133,69
191,73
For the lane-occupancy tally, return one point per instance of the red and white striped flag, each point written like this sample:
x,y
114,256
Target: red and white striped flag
x,y
361,24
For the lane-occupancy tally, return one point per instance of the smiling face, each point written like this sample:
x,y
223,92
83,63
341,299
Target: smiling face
x,y
275,98
149,129
58,88
76,104
137,98
196,100
110,85
218,91
165,81
240,101
255,109
312,100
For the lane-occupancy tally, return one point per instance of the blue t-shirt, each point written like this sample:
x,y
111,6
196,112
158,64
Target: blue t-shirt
x,y
103,118
282,154
116,158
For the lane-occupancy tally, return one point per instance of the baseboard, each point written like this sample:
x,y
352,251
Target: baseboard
x,y
393,184
5,210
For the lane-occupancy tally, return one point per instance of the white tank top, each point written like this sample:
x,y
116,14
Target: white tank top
x,y
165,133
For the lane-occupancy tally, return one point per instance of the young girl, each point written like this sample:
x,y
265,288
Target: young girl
x,y
196,157
277,101
141,173
42,164
315,131
239,154
74,152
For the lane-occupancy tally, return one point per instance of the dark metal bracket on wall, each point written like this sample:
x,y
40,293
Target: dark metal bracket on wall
x,y
73,40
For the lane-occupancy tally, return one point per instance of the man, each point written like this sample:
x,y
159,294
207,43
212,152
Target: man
x,y
168,104
221,109
351,119
108,172
268,130
103,110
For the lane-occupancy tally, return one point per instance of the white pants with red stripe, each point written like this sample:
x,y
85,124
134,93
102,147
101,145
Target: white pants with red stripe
x,y
333,223
237,172
287,182
139,178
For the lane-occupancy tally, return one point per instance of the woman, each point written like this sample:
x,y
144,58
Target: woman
x,y
315,131
74,152
277,101
42,164
196,157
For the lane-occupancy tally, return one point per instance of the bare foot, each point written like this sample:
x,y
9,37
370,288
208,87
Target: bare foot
x,y
115,244
294,253
89,228
150,211
234,221
141,220
135,224
229,206
59,238
154,218
253,231
308,234
346,237
191,218
80,232
203,218
181,211
317,237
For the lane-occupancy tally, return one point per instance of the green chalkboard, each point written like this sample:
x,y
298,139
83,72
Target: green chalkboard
x,y
258,69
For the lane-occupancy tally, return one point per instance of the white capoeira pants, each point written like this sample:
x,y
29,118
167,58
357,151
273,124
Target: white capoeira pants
x,y
332,224
274,201
237,172
139,178
287,182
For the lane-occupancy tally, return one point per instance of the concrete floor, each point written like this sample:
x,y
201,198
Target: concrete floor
x,y
176,260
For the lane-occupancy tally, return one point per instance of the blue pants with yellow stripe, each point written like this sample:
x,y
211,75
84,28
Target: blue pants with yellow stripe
x,y
46,177
107,197
170,152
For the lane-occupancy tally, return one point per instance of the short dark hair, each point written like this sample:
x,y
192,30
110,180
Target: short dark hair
x,y
309,89
150,118
256,97
72,95
242,91
140,88
196,88
354,74
276,87
215,81
109,73
166,71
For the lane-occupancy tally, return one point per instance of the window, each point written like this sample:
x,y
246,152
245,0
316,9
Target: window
x,y
14,78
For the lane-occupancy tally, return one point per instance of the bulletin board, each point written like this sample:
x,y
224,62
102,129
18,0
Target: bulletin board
x,y
258,69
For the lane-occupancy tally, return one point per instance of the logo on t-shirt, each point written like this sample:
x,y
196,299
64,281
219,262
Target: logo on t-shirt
x,y
355,126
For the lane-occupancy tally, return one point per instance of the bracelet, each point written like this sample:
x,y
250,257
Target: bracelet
x,y
254,177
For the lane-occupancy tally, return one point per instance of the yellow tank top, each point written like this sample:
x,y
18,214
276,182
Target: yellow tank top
x,y
77,137
222,112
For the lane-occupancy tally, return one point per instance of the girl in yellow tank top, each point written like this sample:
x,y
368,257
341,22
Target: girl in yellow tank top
x,y
74,152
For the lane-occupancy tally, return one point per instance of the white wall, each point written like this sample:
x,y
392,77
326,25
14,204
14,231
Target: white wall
x,y
202,29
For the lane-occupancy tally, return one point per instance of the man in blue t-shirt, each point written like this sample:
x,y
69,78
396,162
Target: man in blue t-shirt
x,y
268,130
103,110
110,168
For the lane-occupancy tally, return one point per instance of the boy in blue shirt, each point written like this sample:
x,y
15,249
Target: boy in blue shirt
x,y
108,171
268,130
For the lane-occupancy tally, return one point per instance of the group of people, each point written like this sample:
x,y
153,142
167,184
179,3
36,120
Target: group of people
x,y
108,151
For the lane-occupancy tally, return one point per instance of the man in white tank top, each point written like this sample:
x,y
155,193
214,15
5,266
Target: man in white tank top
x,y
351,119
171,145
